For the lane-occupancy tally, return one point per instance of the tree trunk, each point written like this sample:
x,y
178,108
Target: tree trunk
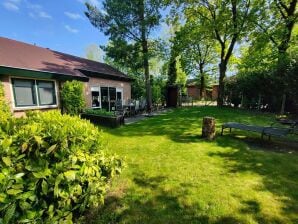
x,y
221,89
283,104
145,58
259,102
284,45
147,76
202,82
281,69
208,128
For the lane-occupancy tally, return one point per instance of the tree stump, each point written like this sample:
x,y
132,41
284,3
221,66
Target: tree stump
x,y
208,128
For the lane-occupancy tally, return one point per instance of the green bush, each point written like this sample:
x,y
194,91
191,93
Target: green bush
x,y
52,168
4,108
99,112
72,97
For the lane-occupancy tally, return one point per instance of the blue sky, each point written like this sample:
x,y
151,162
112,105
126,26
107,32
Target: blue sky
x,y
56,24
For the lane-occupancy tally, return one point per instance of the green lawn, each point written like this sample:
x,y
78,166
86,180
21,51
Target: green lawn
x,y
174,176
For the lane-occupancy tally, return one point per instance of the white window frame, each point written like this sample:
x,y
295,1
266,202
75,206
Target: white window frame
x,y
99,90
120,90
20,108
99,95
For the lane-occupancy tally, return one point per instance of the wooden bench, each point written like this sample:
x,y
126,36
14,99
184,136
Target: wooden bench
x,y
263,130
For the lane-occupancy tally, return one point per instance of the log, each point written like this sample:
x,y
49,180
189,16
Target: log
x,y
208,128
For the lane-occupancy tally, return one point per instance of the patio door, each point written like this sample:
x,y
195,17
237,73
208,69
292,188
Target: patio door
x,y
105,98
112,94
119,93
108,98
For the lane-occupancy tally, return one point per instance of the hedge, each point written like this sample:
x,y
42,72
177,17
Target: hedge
x,y
52,168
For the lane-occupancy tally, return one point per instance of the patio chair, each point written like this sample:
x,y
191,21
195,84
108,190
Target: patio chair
x,y
137,106
123,113
119,105
130,107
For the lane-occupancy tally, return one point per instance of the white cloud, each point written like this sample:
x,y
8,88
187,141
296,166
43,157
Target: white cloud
x,y
44,15
73,15
70,29
34,6
92,2
40,14
36,10
10,6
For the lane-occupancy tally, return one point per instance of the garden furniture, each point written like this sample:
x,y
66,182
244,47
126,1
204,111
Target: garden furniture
x,y
263,130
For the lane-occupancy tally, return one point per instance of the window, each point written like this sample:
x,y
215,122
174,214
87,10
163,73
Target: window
x,y
105,97
29,92
46,93
95,94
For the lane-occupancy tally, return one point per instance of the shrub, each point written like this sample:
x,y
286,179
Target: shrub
x,y
99,112
4,108
72,97
52,168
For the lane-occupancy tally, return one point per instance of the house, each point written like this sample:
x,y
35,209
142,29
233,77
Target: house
x,y
193,90
33,76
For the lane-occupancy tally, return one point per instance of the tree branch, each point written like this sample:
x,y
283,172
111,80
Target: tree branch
x,y
283,5
280,10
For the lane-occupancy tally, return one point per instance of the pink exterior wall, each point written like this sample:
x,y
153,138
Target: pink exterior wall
x,y
126,86
95,82
18,112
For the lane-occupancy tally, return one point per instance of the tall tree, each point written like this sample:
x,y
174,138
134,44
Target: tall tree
x,y
228,22
277,22
129,22
93,52
197,51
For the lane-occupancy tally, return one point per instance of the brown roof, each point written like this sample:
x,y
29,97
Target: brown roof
x,y
21,55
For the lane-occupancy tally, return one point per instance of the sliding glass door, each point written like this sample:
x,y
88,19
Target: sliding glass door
x,y
106,97
112,94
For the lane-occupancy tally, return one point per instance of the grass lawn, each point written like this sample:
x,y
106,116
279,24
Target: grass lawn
x,y
174,176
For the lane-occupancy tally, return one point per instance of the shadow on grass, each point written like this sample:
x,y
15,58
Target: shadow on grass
x,y
162,205
159,205
184,125
279,174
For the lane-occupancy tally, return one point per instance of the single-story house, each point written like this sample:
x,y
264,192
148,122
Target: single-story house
x,y
33,76
193,90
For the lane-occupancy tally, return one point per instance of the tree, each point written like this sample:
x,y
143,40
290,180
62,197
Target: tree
x,y
94,53
228,22
72,97
278,29
197,51
129,23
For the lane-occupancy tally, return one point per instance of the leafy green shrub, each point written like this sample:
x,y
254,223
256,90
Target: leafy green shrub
x,y
4,108
72,97
52,168
99,112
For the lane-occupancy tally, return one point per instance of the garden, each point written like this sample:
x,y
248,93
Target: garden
x,y
83,165
172,175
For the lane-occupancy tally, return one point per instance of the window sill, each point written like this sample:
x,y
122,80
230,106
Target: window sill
x,y
35,108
